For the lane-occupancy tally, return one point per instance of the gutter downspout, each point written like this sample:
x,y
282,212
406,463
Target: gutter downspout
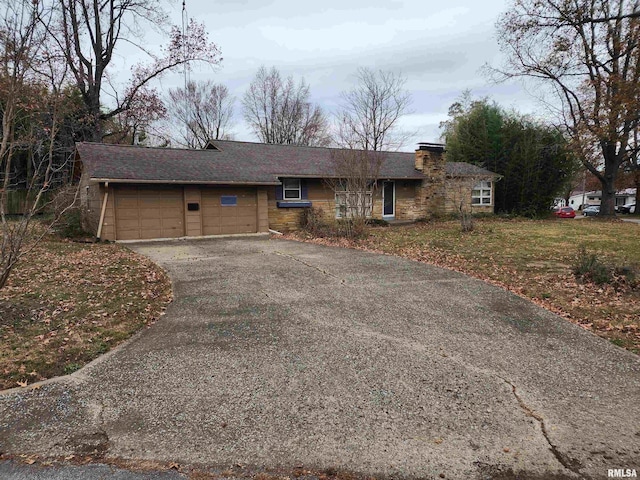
x,y
104,209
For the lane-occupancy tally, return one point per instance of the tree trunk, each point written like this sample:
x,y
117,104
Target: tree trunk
x,y
608,181
92,99
608,201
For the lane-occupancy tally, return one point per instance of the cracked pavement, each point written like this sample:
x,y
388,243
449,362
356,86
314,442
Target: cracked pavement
x,y
277,354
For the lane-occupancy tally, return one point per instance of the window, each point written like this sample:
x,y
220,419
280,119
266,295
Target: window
x,y
228,200
481,194
291,189
350,204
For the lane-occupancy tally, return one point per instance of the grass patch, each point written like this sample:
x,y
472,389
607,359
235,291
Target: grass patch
x,y
538,259
67,303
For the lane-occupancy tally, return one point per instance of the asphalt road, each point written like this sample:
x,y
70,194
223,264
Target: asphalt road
x,y
278,354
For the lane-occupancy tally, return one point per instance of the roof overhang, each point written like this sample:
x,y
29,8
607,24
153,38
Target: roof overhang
x,y
320,177
177,182
472,175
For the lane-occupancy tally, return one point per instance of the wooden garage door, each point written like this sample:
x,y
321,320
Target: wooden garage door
x,y
149,212
229,210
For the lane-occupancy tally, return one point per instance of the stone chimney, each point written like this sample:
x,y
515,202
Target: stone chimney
x,y
431,162
428,156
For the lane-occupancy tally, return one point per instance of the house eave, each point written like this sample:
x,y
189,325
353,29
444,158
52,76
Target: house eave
x,y
320,177
179,182
486,175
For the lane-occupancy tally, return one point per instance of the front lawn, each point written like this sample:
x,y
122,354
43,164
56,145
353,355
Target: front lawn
x,y
66,303
534,259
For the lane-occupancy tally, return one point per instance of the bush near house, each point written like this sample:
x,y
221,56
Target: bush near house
x,y
586,272
67,303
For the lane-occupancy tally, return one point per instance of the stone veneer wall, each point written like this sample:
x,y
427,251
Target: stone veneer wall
x,y
408,204
457,187
430,197
287,219
323,197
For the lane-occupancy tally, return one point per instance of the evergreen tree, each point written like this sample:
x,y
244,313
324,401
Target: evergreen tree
x,y
532,158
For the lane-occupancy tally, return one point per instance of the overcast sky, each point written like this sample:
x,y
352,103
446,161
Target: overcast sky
x,y
439,47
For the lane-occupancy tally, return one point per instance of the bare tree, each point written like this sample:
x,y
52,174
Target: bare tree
x,y
24,67
459,193
588,52
131,126
279,111
205,109
354,181
88,33
368,119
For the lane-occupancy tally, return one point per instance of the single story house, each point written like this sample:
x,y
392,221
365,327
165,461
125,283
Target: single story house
x,y
132,192
623,197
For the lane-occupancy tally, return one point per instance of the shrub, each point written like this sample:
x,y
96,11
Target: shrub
x,y
589,267
68,213
377,222
627,275
63,199
466,222
313,221
70,224
351,228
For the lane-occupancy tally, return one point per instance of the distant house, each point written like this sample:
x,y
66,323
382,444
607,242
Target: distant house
x,y
239,187
579,199
628,195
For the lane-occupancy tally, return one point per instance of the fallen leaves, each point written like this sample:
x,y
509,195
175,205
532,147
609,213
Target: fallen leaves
x,y
529,258
67,303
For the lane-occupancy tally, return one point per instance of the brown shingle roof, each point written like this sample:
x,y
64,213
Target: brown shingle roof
x,y
121,162
462,169
234,162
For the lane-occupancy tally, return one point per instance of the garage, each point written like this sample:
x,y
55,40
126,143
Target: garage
x,y
143,193
156,211
229,211
144,212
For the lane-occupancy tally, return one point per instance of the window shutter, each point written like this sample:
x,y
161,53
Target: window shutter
x,y
279,192
304,189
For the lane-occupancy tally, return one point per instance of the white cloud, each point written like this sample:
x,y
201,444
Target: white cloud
x,y
438,46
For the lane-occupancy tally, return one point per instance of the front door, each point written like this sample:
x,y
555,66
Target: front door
x,y
388,199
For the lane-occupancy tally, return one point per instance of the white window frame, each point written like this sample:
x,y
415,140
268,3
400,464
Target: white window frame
x,y
392,214
286,188
343,210
482,192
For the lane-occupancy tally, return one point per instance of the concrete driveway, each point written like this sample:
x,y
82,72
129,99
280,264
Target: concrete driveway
x,y
280,354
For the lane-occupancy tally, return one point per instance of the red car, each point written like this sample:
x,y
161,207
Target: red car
x,y
564,212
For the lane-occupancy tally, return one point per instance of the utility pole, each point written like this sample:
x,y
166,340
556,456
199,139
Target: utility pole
x,y
187,116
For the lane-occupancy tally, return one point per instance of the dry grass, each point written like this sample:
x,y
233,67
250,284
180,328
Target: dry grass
x,y
66,303
533,259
